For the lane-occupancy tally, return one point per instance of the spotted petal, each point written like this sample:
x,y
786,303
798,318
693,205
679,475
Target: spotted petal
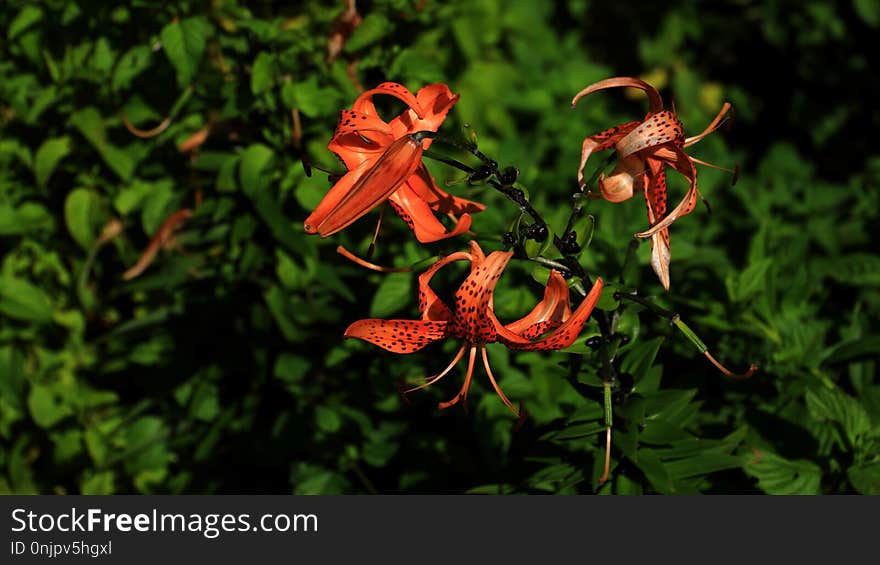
x,y
549,313
359,137
435,100
684,165
430,305
561,337
398,336
474,299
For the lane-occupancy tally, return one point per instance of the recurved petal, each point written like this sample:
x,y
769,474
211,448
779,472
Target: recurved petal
x,y
474,320
436,100
364,188
561,337
364,102
716,122
430,305
657,129
660,256
554,308
359,137
424,186
398,336
655,102
624,180
685,166
420,218
600,142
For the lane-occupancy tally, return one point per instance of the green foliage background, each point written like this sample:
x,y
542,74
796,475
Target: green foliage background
x,y
222,368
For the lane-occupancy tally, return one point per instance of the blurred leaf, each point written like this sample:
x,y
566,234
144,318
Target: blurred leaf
x,y
392,294
48,156
89,122
45,407
184,43
82,213
21,300
865,478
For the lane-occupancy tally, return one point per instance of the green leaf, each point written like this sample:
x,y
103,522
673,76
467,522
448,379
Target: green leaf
x,y
205,403
262,73
654,470
777,475
291,368
253,161
101,482
702,465
29,217
869,11
84,216
89,122
749,282
184,43
311,99
28,16
21,300
50,153
46,409
327,419
135,61
640,358
832,404
393,293
865,478
857,269
373,27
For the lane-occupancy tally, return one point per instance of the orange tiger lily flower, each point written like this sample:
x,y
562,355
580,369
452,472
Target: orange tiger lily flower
x,y
644,149
550,325
384,162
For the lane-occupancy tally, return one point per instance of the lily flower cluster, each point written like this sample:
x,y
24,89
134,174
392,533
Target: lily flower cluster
x,y
384,163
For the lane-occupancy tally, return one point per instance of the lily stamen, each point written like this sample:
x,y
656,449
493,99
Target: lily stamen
x,y
462,394
368,265
431,380
727,372
497,388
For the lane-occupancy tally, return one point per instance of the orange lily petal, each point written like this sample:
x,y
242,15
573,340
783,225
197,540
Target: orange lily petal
x,y
430,305
655,102
657,129
426,188
554,308
624,180
420,218
600,142
561,337
362,189
359,137
473,301
685,166
713,125
655,197
398,336
364,102
436,100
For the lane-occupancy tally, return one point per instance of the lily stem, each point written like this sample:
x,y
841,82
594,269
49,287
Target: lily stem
x,y
582,197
